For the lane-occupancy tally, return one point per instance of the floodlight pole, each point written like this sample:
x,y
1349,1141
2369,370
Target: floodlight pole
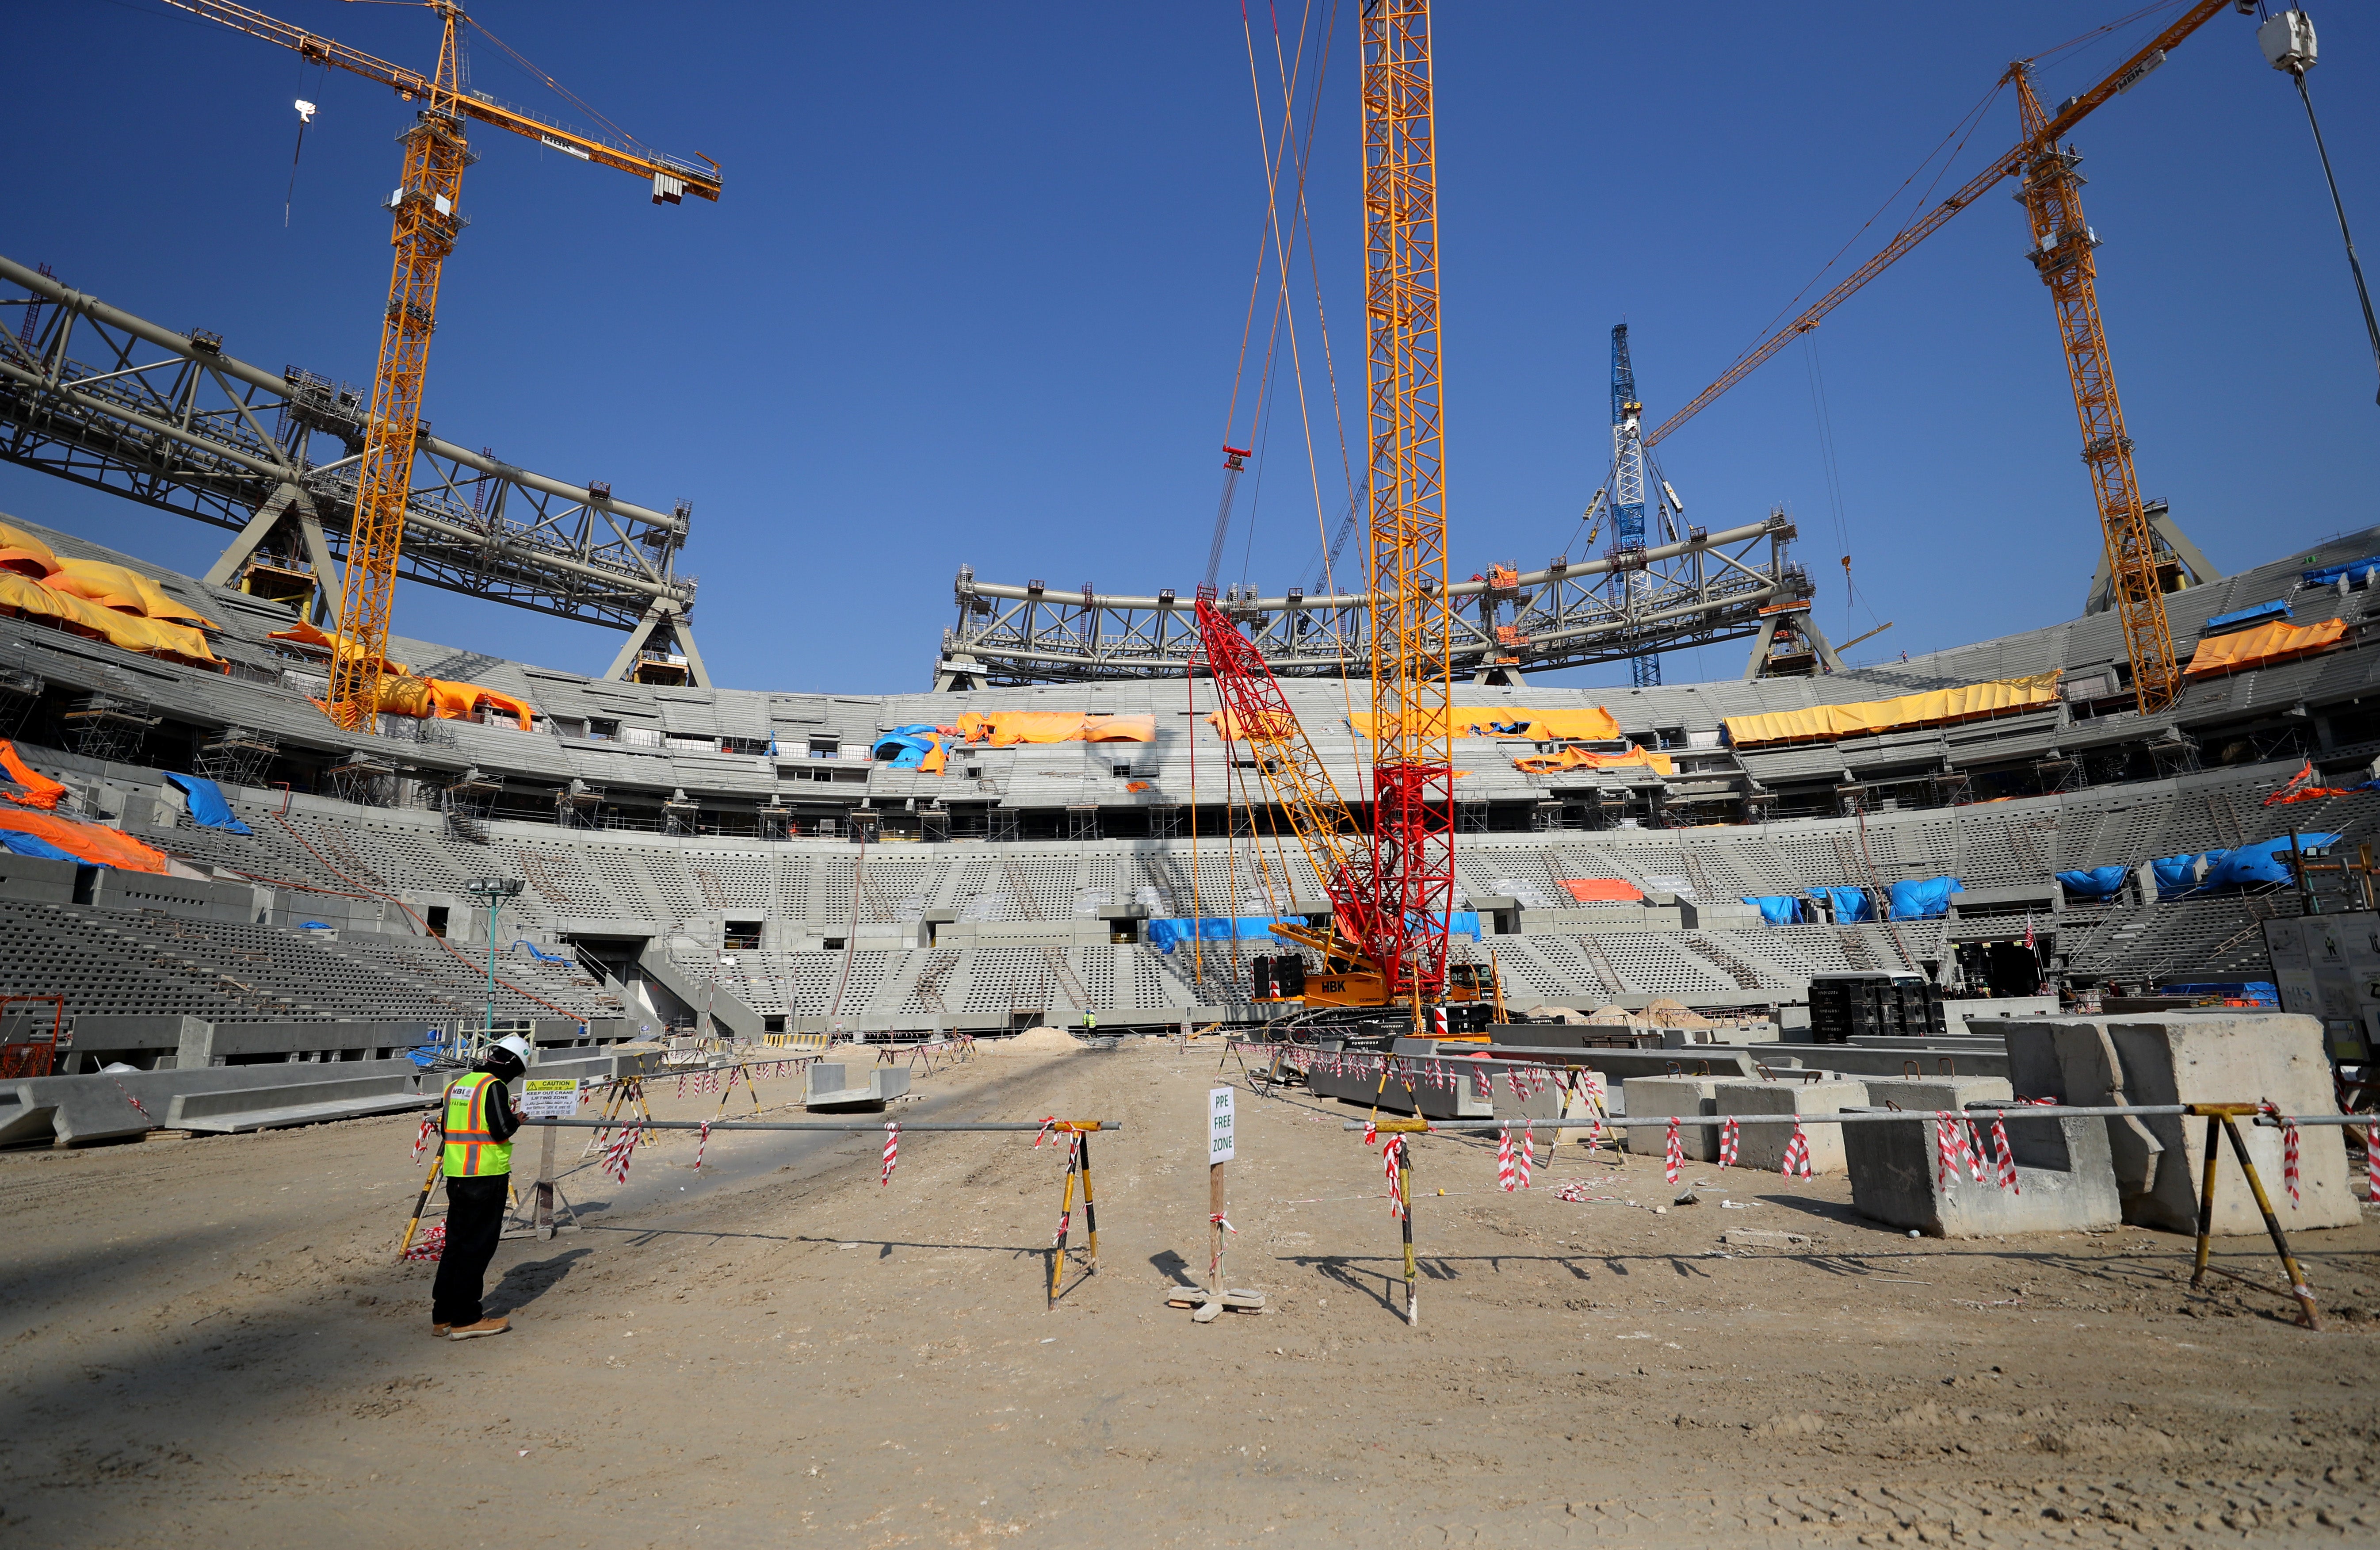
x,y
491,892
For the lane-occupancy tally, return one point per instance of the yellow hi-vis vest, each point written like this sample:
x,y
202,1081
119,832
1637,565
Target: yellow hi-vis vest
x,y
472,1151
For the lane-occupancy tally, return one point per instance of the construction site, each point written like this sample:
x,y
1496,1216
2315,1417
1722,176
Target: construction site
x,y
1918,1100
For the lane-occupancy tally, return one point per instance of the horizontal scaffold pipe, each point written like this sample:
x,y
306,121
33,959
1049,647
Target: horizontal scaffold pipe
x,y
1635,560
1058,1127
1989,1111
274,382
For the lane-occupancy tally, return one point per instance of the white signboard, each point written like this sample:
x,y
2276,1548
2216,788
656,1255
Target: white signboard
x,y
1219,1147
550,1098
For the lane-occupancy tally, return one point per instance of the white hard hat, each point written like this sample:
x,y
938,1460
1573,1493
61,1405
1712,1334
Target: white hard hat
x,y
518,1045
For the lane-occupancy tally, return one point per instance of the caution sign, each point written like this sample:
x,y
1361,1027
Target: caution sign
x,y
550,1098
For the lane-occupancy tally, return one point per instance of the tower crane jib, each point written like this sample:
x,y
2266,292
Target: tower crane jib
x,y
426,218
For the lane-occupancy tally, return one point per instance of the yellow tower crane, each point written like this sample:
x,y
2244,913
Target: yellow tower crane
x,y
426,211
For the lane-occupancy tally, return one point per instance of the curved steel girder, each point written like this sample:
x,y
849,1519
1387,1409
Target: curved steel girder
x,y
1710,587
207,435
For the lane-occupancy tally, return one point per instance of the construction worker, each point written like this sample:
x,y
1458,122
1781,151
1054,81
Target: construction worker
x,y
478,1167
1091,1023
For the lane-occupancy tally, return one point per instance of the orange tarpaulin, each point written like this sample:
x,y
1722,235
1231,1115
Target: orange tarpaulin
x,y
104,847
1008,729
305,634
40,790
1939,707
438,699
1577,724
2277,641
22,553
1602,890
1580,759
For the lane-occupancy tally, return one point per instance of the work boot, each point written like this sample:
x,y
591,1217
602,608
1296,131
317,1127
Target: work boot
x,y
473,1331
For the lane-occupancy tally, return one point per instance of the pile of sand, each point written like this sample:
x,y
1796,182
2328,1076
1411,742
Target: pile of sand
x,y
1037,1041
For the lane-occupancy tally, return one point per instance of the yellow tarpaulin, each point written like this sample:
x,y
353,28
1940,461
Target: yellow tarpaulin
x,y
1008,729
22,553
1939,707
2275,641
131,631
1580,759
1578,724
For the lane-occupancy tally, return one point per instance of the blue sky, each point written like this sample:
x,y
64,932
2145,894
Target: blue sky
x,y
977,287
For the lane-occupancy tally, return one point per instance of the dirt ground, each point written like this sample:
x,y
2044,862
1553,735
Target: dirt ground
x,y
207,1342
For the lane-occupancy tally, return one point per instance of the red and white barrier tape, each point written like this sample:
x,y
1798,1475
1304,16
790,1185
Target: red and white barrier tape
x,y
2372,1162
1066,1217
1730,1134
421,1137
1371,1131
1673,1152
1950,1146
1528,1150
2007,1158
891,1150
1219,1220
1049,1122
1797,1154
430,1246
1389,1155
1504,1159
681,1084
702,1142
621,1151
2288,1153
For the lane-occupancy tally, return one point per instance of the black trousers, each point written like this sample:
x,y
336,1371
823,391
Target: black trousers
x,y
475,1220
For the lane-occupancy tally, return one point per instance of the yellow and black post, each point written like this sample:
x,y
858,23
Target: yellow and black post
x,y
2222,1119
1397,1130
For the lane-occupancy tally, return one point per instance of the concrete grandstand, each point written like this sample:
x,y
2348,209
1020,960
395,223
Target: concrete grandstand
x,y
745,856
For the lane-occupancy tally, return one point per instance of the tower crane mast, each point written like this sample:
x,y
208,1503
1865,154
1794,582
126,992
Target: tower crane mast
x,y
427,218
1628,482
1413,756
2062,242
2061,250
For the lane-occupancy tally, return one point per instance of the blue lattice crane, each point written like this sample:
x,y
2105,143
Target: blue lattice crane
x,y
1628,488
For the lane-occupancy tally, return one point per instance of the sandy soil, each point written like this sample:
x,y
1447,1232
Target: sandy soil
x,y
206,1342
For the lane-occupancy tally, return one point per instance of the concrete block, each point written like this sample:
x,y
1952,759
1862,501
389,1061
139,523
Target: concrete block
x,y
2211,1057
2063,1179
36,880
1935,1093
1991,1016
1763,1146
2033,1068
1684,1096
835,1086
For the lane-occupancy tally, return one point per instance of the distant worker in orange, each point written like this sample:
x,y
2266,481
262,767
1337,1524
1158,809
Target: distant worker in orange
x,y
480,1122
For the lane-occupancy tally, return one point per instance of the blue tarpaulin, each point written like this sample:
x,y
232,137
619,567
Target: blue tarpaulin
x,y
2261,862
17,842
1924,899
1850,904
1776,910
2263,991
2264,861
1166,934
2329,574
909,745
207,804
2240,618
2099,881
541,958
